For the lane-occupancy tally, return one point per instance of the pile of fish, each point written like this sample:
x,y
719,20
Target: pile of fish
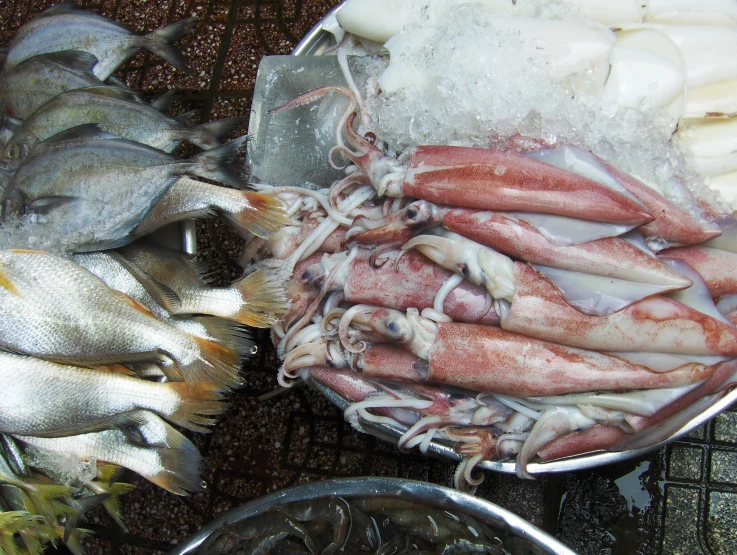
x,y
375,525
533,302
104,350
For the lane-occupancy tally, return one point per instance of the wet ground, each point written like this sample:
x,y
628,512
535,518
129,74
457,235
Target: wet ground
x,y
680,500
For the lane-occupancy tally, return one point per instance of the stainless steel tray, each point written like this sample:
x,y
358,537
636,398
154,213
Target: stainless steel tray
x,y
430,494
315,43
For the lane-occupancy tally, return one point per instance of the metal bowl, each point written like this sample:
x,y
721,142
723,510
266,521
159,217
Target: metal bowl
x,y
314,44
435,496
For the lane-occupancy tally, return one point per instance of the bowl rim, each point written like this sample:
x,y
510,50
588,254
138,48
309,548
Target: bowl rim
x,y
437,496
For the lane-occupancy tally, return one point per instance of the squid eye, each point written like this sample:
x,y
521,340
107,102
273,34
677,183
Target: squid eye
x,y
370,138
14,152
464,269
393,327
412,213
306,276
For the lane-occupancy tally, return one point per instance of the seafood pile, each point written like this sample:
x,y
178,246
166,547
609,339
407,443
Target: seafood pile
x,y
103,352
377,525
511,294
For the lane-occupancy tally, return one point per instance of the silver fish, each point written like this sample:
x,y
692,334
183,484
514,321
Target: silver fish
x,y
174,468
56,310
91,189
29,85
46,399
253,300
248,212
64,27
117,111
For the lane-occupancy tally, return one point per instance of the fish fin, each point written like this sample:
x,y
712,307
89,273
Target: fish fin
x,y
198,402
11,123
112,503
205,271
82,504
60,8
15,522
263,299
263,215
161,42
114,82
232,335
132,302
218,365
165,101
42,497
187,118
161,293
207,135
72,59
7,283
113,92
218,164
116,369
181,472
44,205
74,541
84,131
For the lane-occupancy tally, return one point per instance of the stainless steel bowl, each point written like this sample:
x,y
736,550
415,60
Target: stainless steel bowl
x,y
315,43
435,496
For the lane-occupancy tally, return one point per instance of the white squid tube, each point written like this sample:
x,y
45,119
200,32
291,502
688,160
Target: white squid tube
x,y
721,13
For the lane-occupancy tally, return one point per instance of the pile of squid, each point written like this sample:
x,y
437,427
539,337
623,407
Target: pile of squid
x,y
106,344
657,56
508,303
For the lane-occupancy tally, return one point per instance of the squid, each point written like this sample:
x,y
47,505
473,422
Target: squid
x,y
649,430
510,234
716,266
476,177
418,407
485,358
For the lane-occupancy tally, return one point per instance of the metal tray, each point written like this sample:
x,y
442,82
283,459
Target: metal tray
x,y
315,42
429,494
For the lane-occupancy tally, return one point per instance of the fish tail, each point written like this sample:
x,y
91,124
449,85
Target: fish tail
x,y
261,214
181,472
14,522
43,498
74,538
218,366
197,404
219,164
32,537
208,135
162,41
112,503
263,299
106,483
232,335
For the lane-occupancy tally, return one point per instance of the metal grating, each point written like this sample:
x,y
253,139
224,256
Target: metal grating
x,y
684,496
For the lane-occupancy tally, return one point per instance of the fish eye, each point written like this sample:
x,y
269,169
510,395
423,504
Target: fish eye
x,y
14,152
